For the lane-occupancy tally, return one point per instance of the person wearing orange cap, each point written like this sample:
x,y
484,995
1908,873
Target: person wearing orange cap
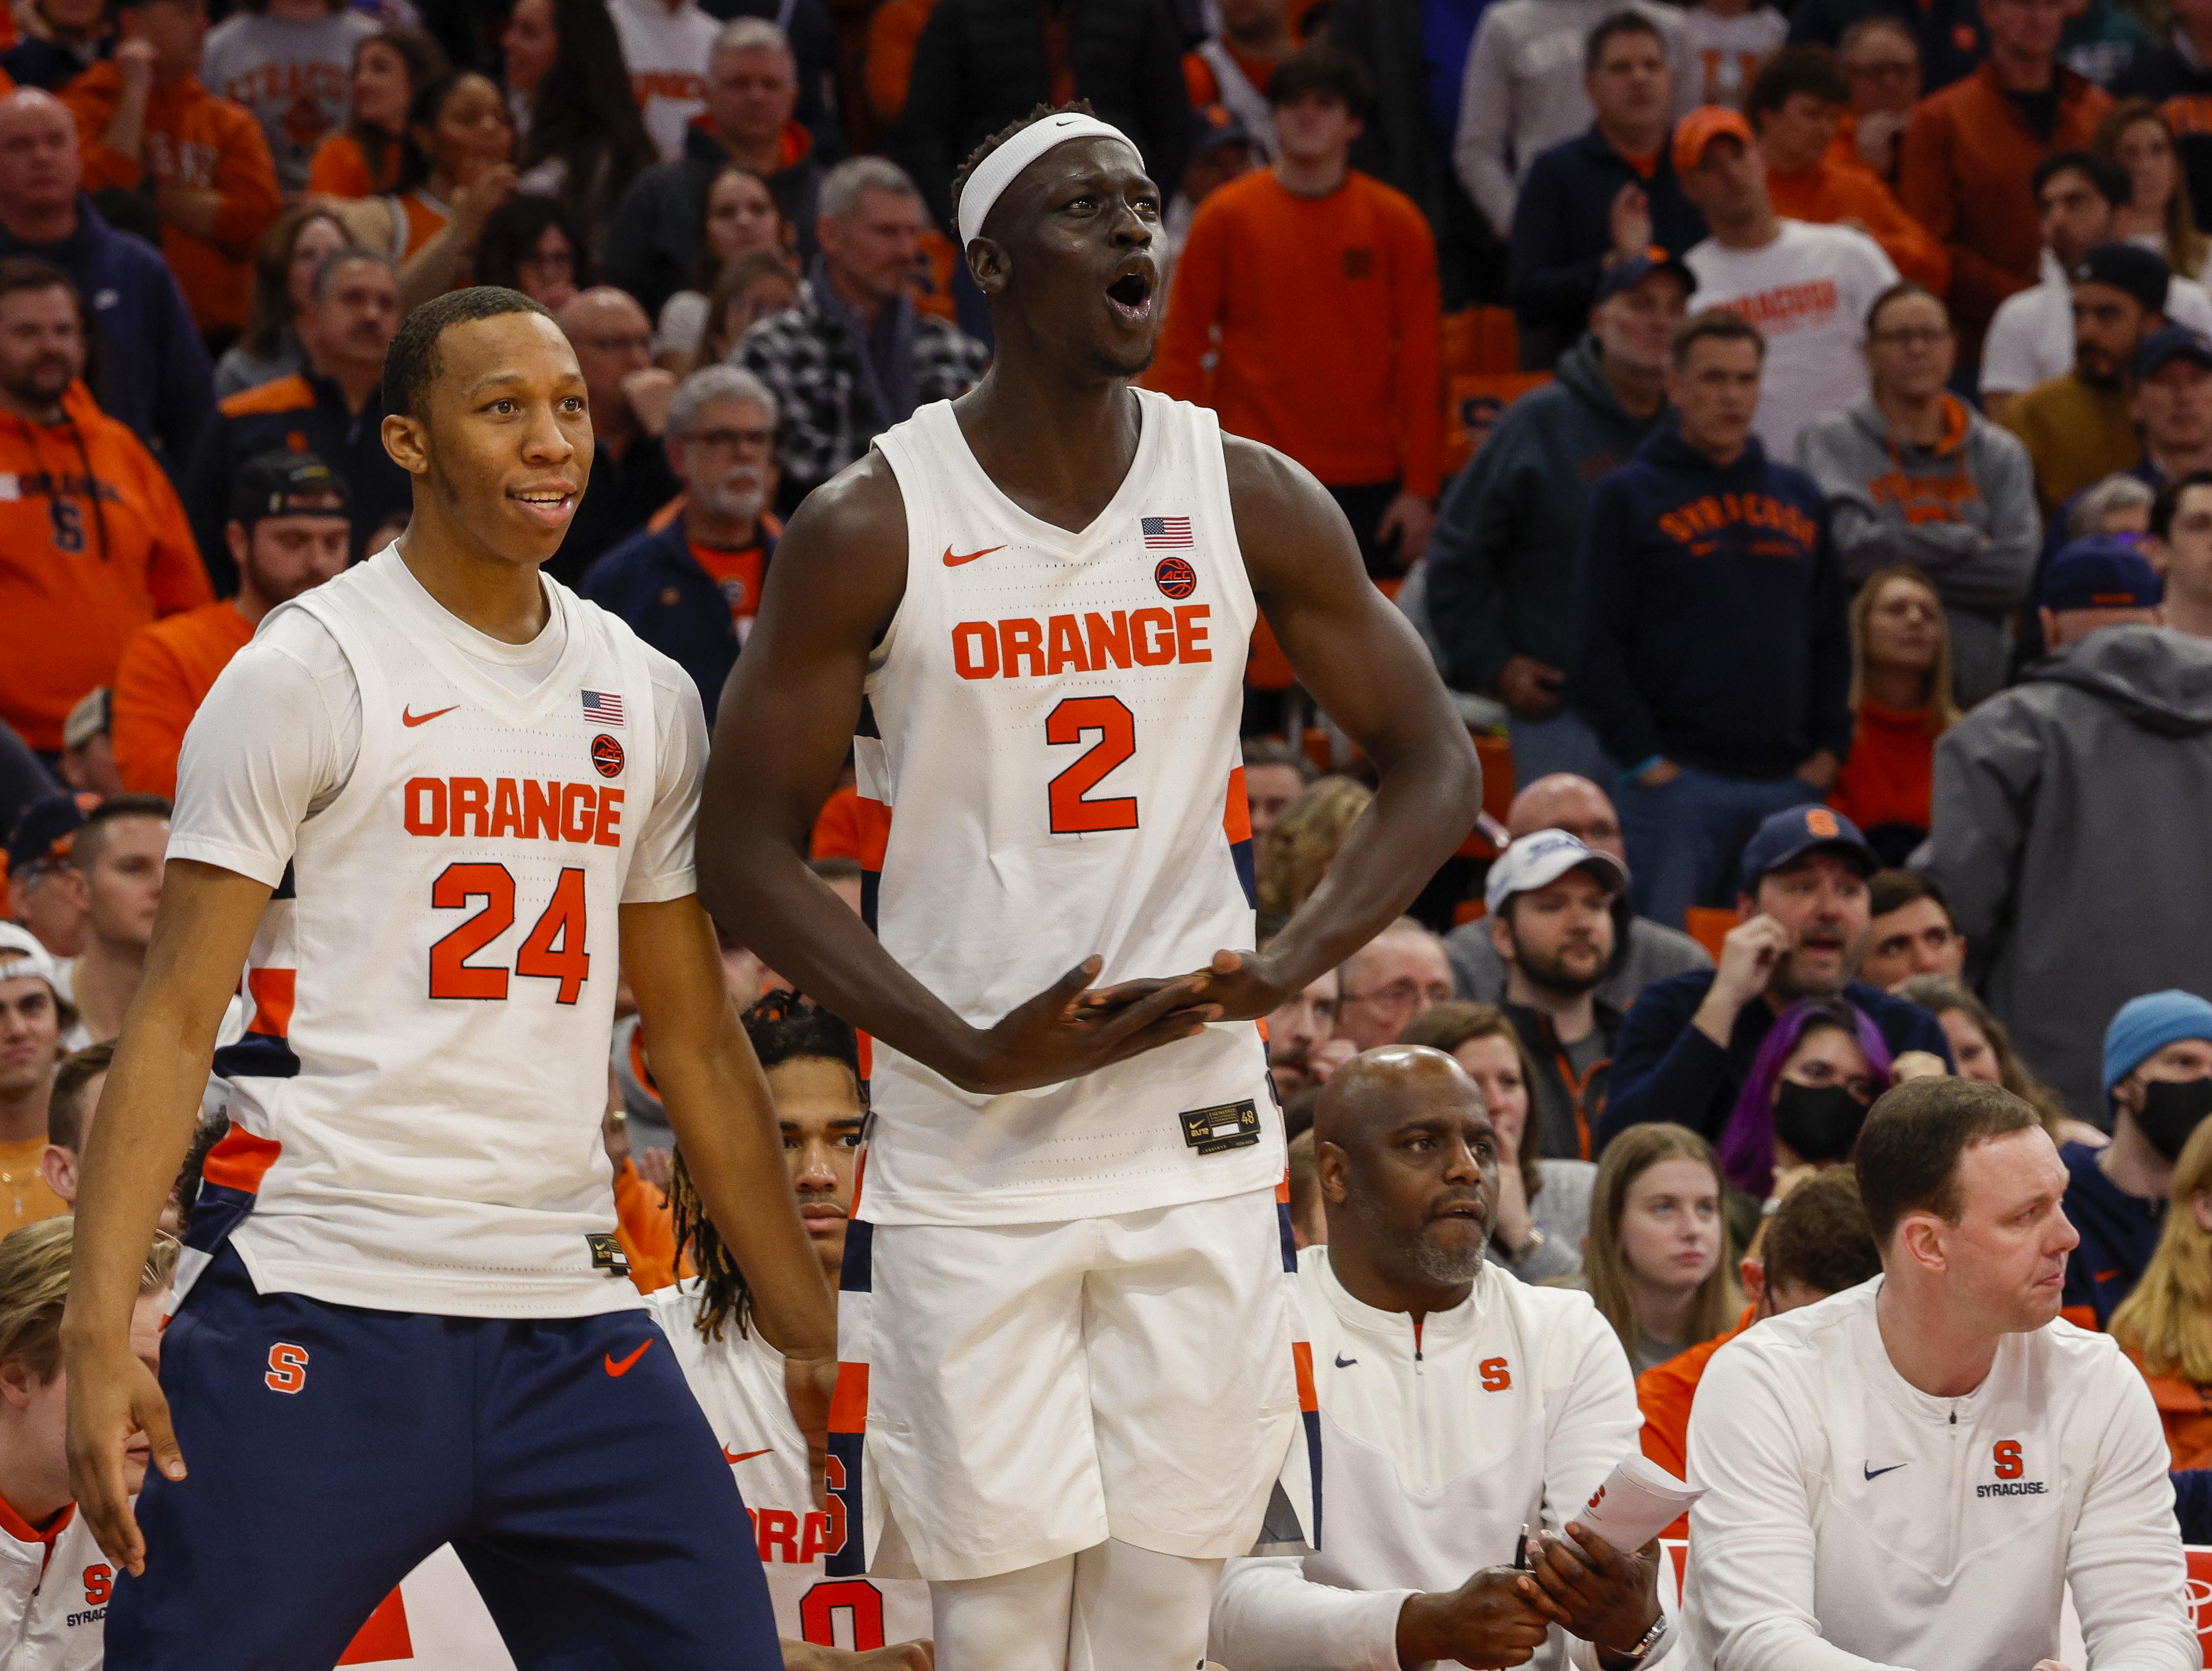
x,y
1806,287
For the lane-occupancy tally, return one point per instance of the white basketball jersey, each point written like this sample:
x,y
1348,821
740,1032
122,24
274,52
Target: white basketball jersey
x,y
1055,750
739,1382
53,1594
416,1105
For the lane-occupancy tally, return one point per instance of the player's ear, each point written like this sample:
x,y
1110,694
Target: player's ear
x,y
404,441
989,266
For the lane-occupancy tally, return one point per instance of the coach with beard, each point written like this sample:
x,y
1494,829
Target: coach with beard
x,y
688,583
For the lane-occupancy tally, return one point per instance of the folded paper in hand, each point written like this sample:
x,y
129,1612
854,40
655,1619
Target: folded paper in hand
x,y
1638,1500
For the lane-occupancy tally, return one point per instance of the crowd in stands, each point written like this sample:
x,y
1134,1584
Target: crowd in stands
x,y
1790,432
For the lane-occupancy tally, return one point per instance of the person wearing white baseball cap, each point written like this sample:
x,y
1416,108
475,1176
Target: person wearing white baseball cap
x,y
33,1018
1550,899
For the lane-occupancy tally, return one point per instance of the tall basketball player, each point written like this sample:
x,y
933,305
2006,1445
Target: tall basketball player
x,y
1067,1389
430,810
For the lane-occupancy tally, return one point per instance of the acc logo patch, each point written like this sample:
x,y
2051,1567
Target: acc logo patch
x,y
1175,578
606,755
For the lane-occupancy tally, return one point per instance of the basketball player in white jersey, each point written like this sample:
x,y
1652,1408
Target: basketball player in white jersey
x,y
1067,1390
431,809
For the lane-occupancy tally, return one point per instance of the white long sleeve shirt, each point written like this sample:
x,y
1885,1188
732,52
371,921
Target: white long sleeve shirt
x,y
1438,1445
1852,1522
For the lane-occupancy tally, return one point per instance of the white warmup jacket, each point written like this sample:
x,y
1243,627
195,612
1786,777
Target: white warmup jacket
x,y
1437,1447
1852,1522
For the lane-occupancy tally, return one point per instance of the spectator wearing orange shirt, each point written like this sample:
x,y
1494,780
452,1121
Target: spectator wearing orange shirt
x,y
1231,70
1968,164
389,69
288,533
144,115
93,542
1901,702
1310,251
1817,1242
1795,105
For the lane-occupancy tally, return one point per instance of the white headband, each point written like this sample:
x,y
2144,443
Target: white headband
x,y
996,171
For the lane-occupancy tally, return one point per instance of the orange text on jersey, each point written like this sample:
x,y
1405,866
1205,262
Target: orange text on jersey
x,y
783,1536
531,810
1715,511
1022,647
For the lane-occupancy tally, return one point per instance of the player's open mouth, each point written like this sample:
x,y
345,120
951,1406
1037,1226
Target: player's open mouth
x,y
552,507
1132,293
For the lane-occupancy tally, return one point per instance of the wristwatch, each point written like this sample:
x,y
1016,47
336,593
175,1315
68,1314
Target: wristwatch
x,y
1639,1650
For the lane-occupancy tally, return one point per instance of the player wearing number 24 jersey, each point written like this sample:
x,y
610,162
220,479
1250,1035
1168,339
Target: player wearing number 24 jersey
x,y
1067,1387
433,810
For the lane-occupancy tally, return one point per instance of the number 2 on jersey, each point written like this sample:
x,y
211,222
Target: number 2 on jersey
x,y
553,951
1070,722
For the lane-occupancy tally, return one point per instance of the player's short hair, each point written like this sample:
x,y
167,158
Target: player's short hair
x,y
413,363
1810,68
65,1109
34,1277
1625,22
2110,180
844,186
2168,505
1893,890
92,834
1819,1238
783,1027
1327,70
1714,325
1907,1157
966,171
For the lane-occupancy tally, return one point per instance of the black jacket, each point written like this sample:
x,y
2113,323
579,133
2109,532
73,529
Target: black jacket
x,y
981,65
1564,227
1952,41
654,583
654,234
618,501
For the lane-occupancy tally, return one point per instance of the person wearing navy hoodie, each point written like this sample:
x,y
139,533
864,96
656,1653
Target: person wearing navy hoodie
x,y
1711,655
154,372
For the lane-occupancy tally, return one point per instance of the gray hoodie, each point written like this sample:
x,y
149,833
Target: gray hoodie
x,y
1964,510
2069,833
1523,93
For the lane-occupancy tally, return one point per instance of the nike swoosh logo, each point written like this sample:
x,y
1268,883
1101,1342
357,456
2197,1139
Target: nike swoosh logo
x,y
730,1456
951,561
1874,1472
621,1366
413,720
1344,1363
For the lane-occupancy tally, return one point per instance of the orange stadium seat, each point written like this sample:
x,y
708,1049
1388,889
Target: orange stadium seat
x,y
1707,924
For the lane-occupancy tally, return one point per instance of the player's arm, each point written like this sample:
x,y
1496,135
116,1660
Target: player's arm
x,y
1367,668
147,1111
780,737
717,1101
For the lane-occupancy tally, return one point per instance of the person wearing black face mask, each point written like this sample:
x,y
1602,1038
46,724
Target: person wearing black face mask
x,y
2158,1084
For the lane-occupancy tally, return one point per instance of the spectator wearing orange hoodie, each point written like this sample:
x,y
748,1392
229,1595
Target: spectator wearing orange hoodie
x,y
288,533
93,542
144,115
1816,1243
1793,106
1968,164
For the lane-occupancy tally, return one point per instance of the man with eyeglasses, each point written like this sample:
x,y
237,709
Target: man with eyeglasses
x,y
1400,974
1914,474
2181,544
689,583
629,396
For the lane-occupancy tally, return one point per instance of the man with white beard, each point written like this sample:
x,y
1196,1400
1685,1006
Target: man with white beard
x,y
689,582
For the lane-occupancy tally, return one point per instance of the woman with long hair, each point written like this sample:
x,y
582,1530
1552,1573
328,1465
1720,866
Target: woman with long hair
x,y
1303,839
527,43
2136,135
365,157
749,289
1983,1050
585,140
1901,702
1543,1206
1658,1262
460,167
737,216
292,252
1816,1074
534,245
2164,1326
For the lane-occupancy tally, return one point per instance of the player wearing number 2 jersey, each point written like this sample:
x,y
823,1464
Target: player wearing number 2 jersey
x,y
1067,1389
430,815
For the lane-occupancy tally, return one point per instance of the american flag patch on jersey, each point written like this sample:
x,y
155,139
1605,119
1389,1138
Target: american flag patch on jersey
x,y
1165,532
603,708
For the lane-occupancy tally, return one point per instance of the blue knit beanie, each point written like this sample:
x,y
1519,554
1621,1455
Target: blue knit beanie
x,y
2146,1025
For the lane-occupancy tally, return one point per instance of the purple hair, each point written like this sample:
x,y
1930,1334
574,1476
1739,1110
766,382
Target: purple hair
x,y
1747,1144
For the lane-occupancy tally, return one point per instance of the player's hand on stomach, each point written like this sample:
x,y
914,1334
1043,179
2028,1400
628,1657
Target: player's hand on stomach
x,y
1611,1597
808,1381
1069,1030
114,1399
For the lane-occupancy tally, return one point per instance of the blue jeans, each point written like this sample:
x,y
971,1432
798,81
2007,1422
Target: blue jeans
x,y
1686,838
1563,743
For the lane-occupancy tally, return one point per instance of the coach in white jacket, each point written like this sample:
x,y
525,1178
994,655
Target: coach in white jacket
x,y
1912,1472
1456,1405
